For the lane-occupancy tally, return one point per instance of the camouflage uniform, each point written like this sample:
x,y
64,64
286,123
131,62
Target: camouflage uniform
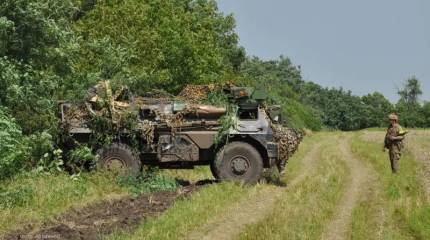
x,y
393,142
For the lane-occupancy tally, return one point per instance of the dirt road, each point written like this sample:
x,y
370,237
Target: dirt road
x,y
251,210
361,177
255,209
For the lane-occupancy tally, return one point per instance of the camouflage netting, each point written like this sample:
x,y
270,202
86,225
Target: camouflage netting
x,y
76,115
289,140
197,93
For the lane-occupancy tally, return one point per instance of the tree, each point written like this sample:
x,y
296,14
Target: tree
x,y
282,80
158,43
378,109
426,113
410,93
408,107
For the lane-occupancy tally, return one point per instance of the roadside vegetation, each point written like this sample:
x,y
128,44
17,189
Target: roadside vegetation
x,y
40,197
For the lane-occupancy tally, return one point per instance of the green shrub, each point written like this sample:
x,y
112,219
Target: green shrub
x,y
81,157
13,146
41,143
150,181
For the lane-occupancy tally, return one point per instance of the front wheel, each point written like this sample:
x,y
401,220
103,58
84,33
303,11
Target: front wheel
x,y
238,161
119,158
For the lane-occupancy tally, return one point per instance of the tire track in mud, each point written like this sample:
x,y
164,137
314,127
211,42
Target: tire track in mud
x,y
340,225
249,211
96,220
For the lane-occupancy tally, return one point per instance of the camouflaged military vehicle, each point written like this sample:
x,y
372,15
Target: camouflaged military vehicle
x,y
238,142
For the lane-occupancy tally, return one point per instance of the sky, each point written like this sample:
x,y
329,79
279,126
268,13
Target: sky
x,y
361,45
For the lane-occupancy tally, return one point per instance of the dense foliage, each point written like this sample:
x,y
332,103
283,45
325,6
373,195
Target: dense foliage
x,y
36,53
54,50
158,43
14,150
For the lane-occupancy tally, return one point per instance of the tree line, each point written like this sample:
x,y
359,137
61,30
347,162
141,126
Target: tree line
x,y
307,104
53,50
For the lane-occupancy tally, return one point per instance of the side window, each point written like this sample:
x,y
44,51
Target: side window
x,y
248,114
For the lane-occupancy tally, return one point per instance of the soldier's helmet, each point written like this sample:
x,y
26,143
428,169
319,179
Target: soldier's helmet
x,y
393,116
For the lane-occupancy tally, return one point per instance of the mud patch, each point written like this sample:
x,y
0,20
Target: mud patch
x,y
104,218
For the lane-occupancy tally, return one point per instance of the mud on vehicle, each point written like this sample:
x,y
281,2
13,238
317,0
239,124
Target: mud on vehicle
x,y
175,133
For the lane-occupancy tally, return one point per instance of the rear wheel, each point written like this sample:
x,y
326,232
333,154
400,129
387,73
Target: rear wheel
x,y
212,167
119,158
238,161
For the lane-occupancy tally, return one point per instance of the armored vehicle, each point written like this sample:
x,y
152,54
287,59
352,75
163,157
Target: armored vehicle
x,y
238,142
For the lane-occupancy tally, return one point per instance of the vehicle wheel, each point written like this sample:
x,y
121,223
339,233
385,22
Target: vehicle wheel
x,y
212,166
119,157
239,161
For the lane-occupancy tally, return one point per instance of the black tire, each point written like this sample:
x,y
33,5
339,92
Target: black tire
x,y
212,167
238,161
120,157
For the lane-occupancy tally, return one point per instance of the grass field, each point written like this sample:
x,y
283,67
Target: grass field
x,y
339,186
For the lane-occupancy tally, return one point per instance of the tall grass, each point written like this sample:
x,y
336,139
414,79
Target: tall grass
x,y
397,209
199,173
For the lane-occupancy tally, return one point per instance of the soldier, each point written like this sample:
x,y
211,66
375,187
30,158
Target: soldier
x,y
393,141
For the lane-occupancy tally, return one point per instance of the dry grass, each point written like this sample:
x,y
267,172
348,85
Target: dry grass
x,y
418,144
373,136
